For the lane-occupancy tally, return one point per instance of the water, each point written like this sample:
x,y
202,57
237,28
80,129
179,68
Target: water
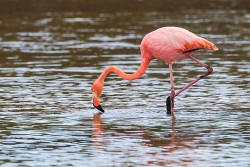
x,y
52,52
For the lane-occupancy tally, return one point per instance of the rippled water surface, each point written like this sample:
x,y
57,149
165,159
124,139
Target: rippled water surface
x,y
51,53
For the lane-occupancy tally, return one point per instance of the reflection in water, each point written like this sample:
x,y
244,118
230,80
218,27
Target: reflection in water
x,y
52,52
98,131
146,139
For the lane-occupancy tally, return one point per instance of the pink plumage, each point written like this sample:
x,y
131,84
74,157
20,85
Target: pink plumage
x,y
170,44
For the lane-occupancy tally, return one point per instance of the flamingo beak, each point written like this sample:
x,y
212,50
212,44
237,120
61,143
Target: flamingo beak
x,y
97,104
99,107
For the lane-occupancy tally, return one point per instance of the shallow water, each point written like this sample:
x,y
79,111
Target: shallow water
x,y
51,54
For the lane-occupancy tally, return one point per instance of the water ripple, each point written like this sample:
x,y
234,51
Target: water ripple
x,y
49,61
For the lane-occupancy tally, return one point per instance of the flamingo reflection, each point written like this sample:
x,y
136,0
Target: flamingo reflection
x,y
169,144
98,131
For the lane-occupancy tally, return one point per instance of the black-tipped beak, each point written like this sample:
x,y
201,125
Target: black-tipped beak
x,y
99,107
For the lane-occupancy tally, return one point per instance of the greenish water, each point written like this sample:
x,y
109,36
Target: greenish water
x,y
51,52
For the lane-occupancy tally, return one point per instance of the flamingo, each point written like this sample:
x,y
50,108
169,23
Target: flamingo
x,y
168,44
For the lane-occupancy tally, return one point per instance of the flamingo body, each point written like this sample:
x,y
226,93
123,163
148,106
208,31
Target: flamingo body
x,y
168,44
171,44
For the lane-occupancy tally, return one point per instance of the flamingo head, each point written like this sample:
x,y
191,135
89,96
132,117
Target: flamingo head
x,y
97,91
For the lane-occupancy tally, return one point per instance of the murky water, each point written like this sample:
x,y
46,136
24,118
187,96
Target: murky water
x,y
51,54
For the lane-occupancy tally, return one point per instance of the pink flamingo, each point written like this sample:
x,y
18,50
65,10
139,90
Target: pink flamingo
x,y
168,44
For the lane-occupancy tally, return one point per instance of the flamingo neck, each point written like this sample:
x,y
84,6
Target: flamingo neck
x,y
141,70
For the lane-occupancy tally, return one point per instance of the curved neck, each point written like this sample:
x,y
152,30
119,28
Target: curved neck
x,y
141,70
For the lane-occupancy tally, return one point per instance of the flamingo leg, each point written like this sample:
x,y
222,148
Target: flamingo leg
x,y
170,99
209,71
